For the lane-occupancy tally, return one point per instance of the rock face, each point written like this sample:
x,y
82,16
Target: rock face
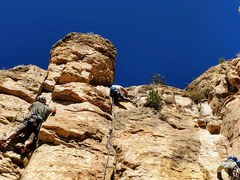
x,y
15,82
81,58
90,139
221,86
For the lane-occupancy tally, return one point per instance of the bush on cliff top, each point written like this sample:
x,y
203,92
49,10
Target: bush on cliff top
x,y
154,100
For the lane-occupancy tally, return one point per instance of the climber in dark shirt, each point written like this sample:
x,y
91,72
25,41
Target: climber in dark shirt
x,y
39,113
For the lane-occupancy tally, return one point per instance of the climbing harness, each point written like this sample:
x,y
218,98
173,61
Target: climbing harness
x,y
109,144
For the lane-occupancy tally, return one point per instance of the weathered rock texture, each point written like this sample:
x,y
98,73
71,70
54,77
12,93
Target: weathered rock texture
x,y
221,85
187,138
81,58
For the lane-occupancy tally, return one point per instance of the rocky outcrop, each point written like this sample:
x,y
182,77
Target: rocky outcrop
x,y
217,83
24,82
85,58
222,89
89,138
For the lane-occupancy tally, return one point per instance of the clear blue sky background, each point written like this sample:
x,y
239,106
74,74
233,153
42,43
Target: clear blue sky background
x,y
179,39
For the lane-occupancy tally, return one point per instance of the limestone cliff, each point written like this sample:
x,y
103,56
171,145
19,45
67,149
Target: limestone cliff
x,y
91,139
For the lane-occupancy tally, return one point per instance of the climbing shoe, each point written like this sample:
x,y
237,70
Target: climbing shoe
x,y
3,141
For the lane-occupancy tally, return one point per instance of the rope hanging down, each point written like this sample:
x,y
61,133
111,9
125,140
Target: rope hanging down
x,y
109,144
19,111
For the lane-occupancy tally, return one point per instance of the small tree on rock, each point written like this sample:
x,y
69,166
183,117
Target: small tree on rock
x,y
154,100
158,79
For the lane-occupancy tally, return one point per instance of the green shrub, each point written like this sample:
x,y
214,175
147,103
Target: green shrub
x,y
197,96
221,60
238,54
158,79
154,100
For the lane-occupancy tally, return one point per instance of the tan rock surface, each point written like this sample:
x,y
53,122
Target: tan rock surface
x,y
151,149
86,58
82,92
15,82
164,145
81,163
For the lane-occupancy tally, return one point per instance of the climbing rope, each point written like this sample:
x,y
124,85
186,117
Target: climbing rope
x,y
109,141
19,111
229,144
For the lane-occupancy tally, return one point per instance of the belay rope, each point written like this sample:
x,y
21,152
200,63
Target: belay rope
x,y
19,111
109,144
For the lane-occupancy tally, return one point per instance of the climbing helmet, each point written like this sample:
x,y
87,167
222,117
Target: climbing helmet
x,y
42,99
232,157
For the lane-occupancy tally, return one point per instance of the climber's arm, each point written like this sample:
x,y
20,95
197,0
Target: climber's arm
x,y
124,91
219,174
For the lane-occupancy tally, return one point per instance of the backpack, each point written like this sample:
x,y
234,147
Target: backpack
x,y
234,172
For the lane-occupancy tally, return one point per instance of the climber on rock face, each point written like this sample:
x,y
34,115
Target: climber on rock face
x,y
119,93
231,167
30,125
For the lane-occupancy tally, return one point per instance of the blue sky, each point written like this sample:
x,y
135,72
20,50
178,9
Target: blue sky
x,y
179,39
